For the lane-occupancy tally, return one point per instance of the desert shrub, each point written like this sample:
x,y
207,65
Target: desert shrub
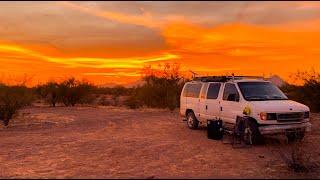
x,y
117,90
87,99
297,157
161,88
308,93
104,101
12,98
133,101
72,91
103,90
49,92
116,93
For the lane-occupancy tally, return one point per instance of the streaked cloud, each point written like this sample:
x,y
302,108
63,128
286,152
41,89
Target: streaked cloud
x,y
145,19
75,62
111,41
134,74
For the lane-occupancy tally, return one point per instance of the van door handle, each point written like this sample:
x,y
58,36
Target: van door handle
x,y
221,108
206,107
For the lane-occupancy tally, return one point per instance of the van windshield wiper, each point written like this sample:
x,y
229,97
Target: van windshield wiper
x,y
256,98
279,97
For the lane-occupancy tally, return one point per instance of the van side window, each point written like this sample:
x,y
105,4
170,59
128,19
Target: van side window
x,y
193,90
213,91
203,91
185,90
230,93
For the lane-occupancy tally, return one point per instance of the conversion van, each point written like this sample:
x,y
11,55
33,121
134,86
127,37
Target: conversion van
x,y
227,97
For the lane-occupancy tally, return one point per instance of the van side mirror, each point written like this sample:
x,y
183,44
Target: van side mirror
x,y
233,97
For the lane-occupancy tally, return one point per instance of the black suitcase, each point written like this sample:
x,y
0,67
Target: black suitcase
x,y
215,130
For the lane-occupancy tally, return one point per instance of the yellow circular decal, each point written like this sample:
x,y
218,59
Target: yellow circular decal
x,y
247,110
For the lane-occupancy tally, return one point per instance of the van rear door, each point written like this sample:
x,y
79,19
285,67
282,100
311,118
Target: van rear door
x,y
183,100
193,93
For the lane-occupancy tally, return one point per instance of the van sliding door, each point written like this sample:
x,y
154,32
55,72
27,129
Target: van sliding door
x,y
212,103
202,103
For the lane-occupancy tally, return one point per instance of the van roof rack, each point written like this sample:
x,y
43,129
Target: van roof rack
x,y
224,78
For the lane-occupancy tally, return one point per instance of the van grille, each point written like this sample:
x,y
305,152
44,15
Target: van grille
x,y
297,116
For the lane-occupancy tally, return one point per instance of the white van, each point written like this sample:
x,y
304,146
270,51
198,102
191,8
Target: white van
x,y
224,98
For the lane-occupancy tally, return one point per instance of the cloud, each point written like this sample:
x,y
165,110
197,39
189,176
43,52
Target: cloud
x,y
107,74
95,38
78,62
145,19
73,32
157,15
243,48
237,39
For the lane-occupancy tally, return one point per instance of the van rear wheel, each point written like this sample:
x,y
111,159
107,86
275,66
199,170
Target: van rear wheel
x,y
192,121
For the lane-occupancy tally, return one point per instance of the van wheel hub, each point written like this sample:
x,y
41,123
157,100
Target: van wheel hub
x,y
190,121
248,135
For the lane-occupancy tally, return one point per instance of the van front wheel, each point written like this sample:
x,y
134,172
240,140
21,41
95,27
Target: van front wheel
x,y
192,121
251,133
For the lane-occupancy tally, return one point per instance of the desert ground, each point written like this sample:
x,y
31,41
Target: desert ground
x,y
115,142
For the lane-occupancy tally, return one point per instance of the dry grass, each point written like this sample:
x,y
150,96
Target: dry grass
x,y
115,142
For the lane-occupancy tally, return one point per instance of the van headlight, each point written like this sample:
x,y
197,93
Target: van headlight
x,y
263,116
268,116
306,115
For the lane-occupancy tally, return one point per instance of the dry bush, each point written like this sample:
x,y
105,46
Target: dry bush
x,y
120,90
12,98
49,92
103,101
309,92
116,93
161,88
297,157
69,92
133,101
87,99
72,91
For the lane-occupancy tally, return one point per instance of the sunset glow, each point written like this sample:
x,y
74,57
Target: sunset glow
x,y
109,42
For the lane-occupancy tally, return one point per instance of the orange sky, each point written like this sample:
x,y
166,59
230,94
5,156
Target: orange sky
x,y
109,42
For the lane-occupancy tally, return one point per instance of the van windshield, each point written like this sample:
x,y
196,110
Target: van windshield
x,y
261,91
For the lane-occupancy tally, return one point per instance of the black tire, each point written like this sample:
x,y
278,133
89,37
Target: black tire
x,y
251,133
295,136
192,121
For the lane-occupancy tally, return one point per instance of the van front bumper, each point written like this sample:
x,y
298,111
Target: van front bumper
x,y
283,128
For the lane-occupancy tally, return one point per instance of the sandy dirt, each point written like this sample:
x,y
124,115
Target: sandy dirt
x,y
113,142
